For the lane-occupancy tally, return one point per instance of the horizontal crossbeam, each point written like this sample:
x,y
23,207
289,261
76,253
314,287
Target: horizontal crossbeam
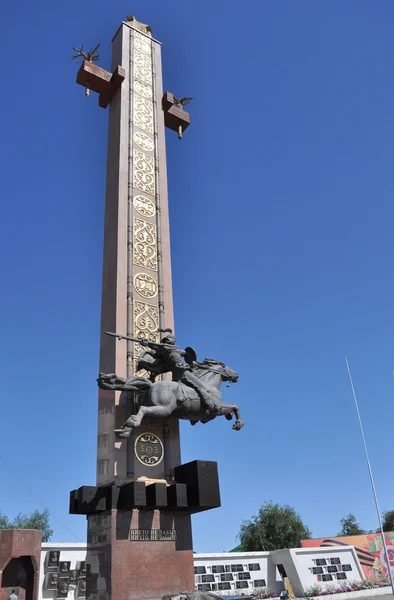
x,y
99,80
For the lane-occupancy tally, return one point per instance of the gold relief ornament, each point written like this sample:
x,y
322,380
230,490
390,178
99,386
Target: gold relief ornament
x,y
144,162
146,319
152,336
143,141
141,44
142,60
145,285
144,244
144,182
149,449
141,372
143,114
144,177
142,67
143,89
144,206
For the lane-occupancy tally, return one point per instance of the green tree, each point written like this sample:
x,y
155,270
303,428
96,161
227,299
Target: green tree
x,y
4,521
350,526
35,520
274,527
388,520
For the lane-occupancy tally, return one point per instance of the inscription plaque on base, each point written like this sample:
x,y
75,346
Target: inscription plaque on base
x,y
153,535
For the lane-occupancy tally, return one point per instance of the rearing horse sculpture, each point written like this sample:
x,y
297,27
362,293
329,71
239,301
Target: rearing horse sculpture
x,y
173,398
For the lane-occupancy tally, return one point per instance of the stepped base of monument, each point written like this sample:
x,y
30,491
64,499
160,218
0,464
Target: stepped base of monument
x,y
138,554
139,533
195,489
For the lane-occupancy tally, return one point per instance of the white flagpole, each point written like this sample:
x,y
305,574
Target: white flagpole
x,y
371,478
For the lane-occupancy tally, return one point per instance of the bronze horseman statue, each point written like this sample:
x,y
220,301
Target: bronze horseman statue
x,y
193,394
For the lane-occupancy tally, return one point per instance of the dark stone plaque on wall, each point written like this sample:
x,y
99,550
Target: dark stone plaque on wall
x,y
82,569
73,576
52,579
64,569
53,559
82,588
62,589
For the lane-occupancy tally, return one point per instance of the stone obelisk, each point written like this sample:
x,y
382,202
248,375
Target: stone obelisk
x,y
139,524
136,300
137,290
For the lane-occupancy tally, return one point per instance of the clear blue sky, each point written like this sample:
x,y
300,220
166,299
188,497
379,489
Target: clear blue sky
x,y
282,215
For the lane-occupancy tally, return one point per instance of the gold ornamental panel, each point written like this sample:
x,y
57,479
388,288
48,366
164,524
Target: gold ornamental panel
x,y
144,172
144,162
146,317
143,89
141,44
144,244
138,349
144,206
142,67
145,285
141,373
143,114
143,141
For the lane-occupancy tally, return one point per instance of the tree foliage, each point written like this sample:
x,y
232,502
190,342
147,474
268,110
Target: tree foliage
x,y
35,520
273,528
350,526
388,520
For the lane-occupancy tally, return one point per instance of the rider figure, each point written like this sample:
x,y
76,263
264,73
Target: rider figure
x,y
172,357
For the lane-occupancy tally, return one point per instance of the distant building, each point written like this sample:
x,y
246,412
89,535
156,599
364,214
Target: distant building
x,y
227,573
61,571
232,573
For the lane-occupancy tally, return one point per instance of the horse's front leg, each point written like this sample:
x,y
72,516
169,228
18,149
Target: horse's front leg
x,y
128,426
159,412
227,411
239,423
